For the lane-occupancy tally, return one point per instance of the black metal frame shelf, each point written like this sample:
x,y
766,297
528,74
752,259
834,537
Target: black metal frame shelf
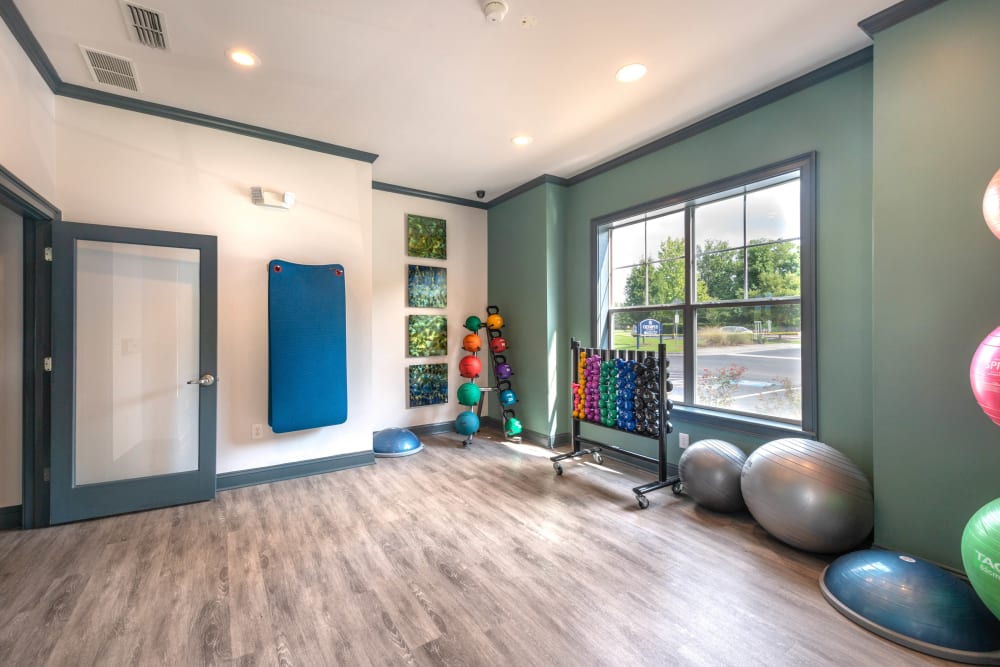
x,y
666,472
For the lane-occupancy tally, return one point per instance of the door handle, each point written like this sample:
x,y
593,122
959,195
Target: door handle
x,y
206,380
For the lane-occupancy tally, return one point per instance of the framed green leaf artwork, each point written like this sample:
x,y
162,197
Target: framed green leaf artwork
x,y
426,286
428,384
427,335
426,237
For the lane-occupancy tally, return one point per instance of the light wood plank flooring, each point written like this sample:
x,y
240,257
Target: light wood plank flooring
x,y
478,556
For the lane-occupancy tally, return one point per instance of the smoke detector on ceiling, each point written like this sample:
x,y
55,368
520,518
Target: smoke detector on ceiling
x,y
494,10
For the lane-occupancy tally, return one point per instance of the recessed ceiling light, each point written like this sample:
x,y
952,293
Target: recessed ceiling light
x,y
521,140
243,57
631,73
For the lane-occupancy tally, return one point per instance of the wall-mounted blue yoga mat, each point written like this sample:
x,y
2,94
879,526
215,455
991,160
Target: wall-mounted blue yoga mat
x,y
307,346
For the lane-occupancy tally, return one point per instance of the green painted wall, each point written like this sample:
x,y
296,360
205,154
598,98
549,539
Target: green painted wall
x,y
525,282
833,118
936,104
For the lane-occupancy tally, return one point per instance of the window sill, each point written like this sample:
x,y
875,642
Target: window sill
x,y
755,426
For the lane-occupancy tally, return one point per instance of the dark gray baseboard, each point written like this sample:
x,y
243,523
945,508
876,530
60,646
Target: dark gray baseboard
x,y
543,439
432,429
238,478
10,517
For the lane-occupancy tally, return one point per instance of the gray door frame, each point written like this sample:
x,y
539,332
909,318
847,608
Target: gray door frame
x,y
70,502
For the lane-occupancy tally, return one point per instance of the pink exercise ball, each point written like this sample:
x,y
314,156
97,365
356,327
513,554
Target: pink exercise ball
x,y
984,375
991,204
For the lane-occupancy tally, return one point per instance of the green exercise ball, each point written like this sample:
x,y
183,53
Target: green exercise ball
x,y
473,323
981,554
513,426
469,393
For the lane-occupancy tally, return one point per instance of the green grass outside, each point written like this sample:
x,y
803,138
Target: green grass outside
x,y
626,341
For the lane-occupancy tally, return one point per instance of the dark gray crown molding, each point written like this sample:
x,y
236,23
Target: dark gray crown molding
x,y
524,187
21,199
898,13
22,33
424,194
847,63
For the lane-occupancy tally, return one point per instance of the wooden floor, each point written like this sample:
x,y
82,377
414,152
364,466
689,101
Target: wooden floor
x,y
478,556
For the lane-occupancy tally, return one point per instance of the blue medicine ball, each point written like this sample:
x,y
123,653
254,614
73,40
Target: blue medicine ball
x,y
507,398
467,423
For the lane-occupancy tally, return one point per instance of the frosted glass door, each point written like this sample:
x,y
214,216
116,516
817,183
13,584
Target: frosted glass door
x,y
137,347
133,369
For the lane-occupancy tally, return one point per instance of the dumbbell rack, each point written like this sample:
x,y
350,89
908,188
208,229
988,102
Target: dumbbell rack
x,y
666,472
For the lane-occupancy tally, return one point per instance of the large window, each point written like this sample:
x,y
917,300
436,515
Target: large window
x,y
724,276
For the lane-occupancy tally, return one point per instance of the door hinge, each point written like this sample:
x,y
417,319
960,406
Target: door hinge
x,y
47,364
48,254
46,474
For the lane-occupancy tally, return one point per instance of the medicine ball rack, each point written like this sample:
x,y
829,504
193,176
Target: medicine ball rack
x,y
666,472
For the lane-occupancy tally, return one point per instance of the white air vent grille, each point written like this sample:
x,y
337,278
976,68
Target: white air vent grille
x,y
145,25
111,69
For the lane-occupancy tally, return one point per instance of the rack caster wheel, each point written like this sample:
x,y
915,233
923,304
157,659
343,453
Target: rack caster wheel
x,y
643,501
677,488
598,459
557,467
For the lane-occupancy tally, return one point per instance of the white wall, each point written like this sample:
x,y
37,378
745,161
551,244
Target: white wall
x,y
27,132
11,318
466,266
120,168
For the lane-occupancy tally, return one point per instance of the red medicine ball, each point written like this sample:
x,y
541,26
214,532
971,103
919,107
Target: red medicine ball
x,y
470,367
498,344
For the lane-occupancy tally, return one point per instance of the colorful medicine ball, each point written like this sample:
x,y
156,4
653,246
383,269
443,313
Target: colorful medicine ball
x,y
467,423
469,393
473,323
498,344
513,426
507,398
494,322
502,371
472,343
470,367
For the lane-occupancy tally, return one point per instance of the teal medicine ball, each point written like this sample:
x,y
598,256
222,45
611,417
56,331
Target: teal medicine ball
x,y
467,423
507,398
469,393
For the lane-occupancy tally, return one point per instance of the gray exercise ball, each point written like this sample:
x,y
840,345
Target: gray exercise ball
x,y
808,495
710,471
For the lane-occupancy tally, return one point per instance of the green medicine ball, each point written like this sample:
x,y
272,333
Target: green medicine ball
x,y
469,393
981,554
513,426
473,323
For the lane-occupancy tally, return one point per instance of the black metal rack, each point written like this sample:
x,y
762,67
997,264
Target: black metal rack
x,y
667,472
499,386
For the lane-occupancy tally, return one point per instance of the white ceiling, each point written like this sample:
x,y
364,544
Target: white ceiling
x,y
438,92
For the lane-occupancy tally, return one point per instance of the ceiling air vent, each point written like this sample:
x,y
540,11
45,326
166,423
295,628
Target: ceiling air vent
x,y
110,69
145,25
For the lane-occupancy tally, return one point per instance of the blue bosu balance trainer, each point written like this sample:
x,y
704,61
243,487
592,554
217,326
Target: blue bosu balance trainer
x,y
913,603
307,346
396,442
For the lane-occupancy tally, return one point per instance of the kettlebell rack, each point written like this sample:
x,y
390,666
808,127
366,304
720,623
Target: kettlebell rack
x,y
607,416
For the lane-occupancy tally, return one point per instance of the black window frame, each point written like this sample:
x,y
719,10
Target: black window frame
x,y
805,164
